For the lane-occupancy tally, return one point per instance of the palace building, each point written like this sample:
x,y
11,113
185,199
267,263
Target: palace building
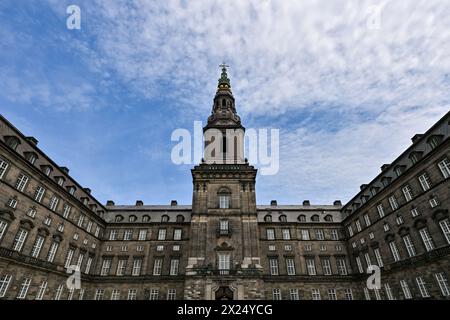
x,y
224,245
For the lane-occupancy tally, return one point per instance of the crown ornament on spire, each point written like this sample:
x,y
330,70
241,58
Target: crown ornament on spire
x,y
224,81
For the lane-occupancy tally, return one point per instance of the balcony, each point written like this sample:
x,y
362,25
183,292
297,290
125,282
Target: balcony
x,y
11,254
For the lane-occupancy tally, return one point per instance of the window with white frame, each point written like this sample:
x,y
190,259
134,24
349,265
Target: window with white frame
x,y
154,294
371,235
415,212
37,246
386,227
308,247
326,267
342,266
69,257
12,202
305,234
41,290
359,264
31,212
276,294
48,221
160,248
174,266
5,280
21,182
59,292
287,247
80,260
444,224
3,166
162,234
132,294
290,266
176,247
315,294
426,238
399,220
377,253
97,231
367,258
177,234
270,234
121,267
115,294
310,266
19,240
334,234
323,247
293,294
124,248
66,210
332,294
128,235
393,202
358,225
224,201
137,264
52,251
444,166
39,193
422,287
388,290
113,235
81,294
434,202
377,294
348,294
89,226
409,245
272,247
80,220
425,181
53,203
171,294
319,234
407,193
273,265
106,266
99,294
88,265
142,235
405,289
24,286
157,266
394,251
443,284
223,226
380,210
366,293
367,220
286,234
350,231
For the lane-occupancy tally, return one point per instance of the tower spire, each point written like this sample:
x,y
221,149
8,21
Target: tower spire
x,y
224,81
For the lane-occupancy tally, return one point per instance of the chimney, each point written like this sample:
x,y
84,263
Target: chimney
x,y
173,203
337,203
416,137
385,166
33,140
87,190
306,203
363,186
273,203
139,203
65,170
109,203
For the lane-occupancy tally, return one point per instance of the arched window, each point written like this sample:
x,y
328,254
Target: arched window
x,y
224,196
301,218
118,218
165,218
132,218
180,218
283,218
268,218
315,218
328,218
146,218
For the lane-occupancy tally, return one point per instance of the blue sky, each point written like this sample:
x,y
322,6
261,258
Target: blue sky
x,y
104,100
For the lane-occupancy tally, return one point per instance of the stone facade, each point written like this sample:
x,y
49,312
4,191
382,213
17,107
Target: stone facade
x,y
225,246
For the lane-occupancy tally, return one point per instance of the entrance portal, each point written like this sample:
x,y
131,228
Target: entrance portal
x,y
224,293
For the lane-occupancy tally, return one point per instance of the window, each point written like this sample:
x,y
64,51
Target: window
x,y
323,247
407,192
72,190
4,284
328,218
426,238
444,166
334,234
443,284
367,258
19,240
145,218
287,247
21,182
350,231
422,287
273,264
388,290
37,246
224,262
409,245
393,202
157,266
415,212
132,294
386,227
270,234
97,231
177,234
132,218
48,221
39,193
405,289
124,248
283,218
290,266
80,260
128,235
159,248
377,294
301,218
162,234
425,181
394,251
224,201
326,267
121,267
24,288
180,218
342,267
358,226
319,234
286,234
305,234
113,235
31,212
165,218
268,218
311,266
89,226
52,251
348,294
47,170
118,218
142,235
315,218
308,247
88,265
332,294
80,220
106,266
434,202
371,235
293,293
53,203
315,294
66,210
81,294
380,210
174,264
359,265
377,253
171,294
69,256
272,247
399,220
444,224
99,293
367,220
276,294
3,166
137,263
154,294
59,291
176,248
366,293
12,202
41,291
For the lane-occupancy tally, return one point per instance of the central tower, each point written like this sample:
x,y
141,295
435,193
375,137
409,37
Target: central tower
x,y
224,229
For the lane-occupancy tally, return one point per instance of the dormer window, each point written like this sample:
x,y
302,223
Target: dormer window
x,y
283,218
399,170
146,218
85,200
60,180
47,170
31,157
71,190
12,142
386,180
165,218
434,140
328,218
180,218
132,218
374,190
315,218
301,218
118,218
268,218
415,156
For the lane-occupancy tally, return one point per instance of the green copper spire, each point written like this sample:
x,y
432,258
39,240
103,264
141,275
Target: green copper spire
x,y
224,81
